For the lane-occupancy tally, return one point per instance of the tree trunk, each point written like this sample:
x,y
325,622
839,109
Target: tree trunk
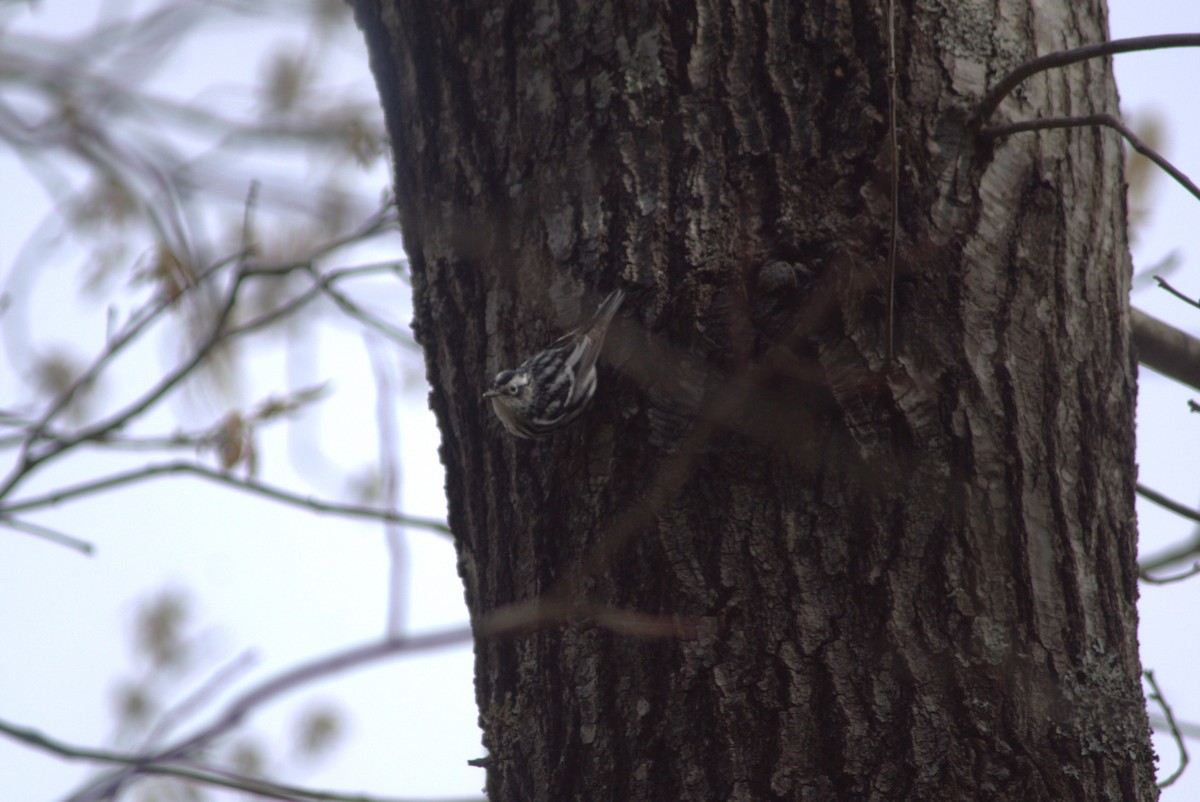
x,y
908,581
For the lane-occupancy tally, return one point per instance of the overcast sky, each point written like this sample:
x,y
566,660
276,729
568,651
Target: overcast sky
x,y
290,586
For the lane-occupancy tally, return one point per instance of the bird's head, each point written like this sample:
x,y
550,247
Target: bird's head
x,y
510,388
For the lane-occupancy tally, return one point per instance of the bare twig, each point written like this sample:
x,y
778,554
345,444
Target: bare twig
x,y
1162,282
30,461
1170,504
1156,696
198,698
324,285
46,533
1063,58
175,760
138,323
1151,272
241,483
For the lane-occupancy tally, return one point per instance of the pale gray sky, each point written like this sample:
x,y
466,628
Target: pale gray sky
x,y
292,586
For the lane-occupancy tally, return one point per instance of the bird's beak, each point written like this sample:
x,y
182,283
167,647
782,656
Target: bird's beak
x,y
490,393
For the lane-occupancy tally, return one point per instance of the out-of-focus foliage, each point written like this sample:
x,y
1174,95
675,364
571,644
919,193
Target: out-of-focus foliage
x,y
172,678
167,184
148,162
1141,175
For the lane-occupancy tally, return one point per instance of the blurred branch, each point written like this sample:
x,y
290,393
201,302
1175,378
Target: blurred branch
x,y
46,533
323,285
196,700
137,324
1155,270
389,482
28,461
1176,553
325,282
1162,282
247,484
206,775
1156,696
176,760
219,333
510,620
1166,349
266,691
1167,580
1185,728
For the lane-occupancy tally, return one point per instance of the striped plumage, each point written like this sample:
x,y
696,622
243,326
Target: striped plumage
x,y
553,387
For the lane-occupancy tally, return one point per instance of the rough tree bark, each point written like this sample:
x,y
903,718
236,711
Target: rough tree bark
x,y
918,579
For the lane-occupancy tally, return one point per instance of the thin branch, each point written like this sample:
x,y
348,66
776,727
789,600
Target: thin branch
x,y
137,323
247,484
36,739
1170,504
174,760
46,533
321,667
1177,553
1108,121
117,420
1162,282
1156,696
357,312
323,285
198,698
1063,58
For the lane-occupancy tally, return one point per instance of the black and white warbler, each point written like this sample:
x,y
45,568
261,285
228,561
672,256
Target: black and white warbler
x,y
553,387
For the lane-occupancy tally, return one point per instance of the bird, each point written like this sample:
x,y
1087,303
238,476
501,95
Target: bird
x,y
554,386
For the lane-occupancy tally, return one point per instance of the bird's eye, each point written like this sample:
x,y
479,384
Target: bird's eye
x,y
512,389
